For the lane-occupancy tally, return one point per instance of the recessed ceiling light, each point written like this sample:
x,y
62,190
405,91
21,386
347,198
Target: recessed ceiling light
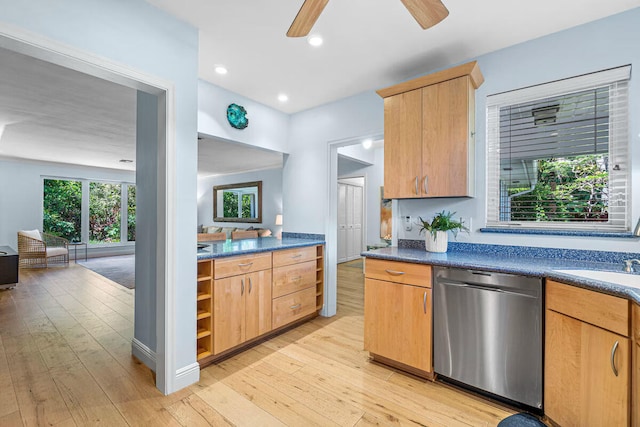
x,y
315,40
220,69
283,97
367,143
125,161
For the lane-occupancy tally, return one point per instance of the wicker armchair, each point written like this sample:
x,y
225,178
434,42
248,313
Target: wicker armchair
x,y
37,249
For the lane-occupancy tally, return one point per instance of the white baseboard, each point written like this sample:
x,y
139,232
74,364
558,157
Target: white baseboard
x,y
144,354
186,376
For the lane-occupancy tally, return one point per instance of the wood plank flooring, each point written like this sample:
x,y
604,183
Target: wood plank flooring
x,y
65,360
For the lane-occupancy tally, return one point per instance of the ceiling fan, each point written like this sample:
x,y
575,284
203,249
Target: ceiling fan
x,y
427,12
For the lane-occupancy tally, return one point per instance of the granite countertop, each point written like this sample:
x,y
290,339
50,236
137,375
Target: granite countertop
x,y
226,248
535,264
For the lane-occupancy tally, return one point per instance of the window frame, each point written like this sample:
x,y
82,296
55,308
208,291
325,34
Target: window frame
x,y
619,214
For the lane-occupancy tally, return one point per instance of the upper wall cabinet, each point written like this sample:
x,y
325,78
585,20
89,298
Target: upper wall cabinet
x,y
428,134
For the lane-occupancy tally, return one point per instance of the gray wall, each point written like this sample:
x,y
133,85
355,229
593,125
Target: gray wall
x,y
271,197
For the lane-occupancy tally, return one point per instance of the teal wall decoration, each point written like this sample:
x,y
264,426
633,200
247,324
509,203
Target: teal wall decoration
x,y
237,116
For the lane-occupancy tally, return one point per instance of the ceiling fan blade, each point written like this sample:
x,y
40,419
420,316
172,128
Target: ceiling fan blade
x,y
306,17
427,12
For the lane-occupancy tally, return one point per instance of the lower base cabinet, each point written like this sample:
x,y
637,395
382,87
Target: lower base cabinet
x,y
246,298
242,309
399,325
587,364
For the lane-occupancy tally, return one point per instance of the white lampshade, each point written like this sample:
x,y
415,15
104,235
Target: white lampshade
x,y
279,219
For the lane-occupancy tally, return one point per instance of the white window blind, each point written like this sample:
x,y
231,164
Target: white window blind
x,y
557,154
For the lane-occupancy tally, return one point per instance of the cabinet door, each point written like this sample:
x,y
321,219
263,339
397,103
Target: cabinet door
x,y
581,388
445,138
397,322
228,313
257,304
403,145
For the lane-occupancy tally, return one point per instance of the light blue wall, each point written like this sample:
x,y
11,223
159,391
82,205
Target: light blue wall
x,y
598,45
134,33
305,190
271,197
267,127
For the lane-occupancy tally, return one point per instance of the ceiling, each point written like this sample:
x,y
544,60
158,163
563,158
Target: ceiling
x,y
367,44
54,114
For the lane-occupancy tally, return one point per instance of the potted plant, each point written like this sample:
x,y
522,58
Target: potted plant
x,y
436,231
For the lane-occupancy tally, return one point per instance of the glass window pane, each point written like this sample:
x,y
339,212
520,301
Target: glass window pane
x,y
62,208
104,213
131,213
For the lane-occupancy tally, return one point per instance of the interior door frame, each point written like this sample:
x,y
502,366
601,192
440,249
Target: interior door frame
x,y
331,226
13,38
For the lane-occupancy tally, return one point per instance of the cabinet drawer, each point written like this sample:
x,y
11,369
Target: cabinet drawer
x,y
294,256
292,278
233,266
294,306
398,272
605,311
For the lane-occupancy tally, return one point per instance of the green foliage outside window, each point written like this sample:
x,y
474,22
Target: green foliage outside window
x,y
567,189
62,208
131,213
104,212
230,204
247,205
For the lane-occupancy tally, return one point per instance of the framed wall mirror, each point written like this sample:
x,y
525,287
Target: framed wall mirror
x,y
238,202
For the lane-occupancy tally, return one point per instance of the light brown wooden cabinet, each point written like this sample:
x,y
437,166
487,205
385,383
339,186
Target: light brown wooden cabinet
x,y
242,299
242,309
587,357
428,133
635,391
398,315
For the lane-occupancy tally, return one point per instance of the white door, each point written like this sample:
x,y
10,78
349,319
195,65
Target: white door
x,y
350,221
342,222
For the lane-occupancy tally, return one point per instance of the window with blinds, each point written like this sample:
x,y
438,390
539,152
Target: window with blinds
x,y
557,154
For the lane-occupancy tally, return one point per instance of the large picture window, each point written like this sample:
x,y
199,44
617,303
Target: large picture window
x,y
109,217
557,154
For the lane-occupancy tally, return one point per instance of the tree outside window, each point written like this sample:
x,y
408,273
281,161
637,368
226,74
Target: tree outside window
x,y
62,208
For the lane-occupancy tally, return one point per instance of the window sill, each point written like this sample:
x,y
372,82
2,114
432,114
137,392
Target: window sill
x,y
547,232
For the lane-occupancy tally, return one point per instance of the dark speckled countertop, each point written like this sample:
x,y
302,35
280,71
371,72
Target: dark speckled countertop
x,y
225,248
533,263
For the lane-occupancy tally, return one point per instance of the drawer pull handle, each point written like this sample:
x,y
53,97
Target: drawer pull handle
x,y
242,287
250,285
395,273
296,256
295,279
293,307
247,264
613,358
424,303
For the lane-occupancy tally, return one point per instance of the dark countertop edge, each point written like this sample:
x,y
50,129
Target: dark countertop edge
x,y
542,272
305,243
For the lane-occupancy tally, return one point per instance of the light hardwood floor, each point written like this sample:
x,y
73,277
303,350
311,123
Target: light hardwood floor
x,y
65,338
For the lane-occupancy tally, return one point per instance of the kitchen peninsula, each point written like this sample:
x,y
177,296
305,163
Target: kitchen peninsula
x,y
251,289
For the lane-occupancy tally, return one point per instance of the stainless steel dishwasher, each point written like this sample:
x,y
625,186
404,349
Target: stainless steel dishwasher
x,y
487,332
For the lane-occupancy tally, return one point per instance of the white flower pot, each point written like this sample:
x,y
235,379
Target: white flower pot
x,y
437,244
